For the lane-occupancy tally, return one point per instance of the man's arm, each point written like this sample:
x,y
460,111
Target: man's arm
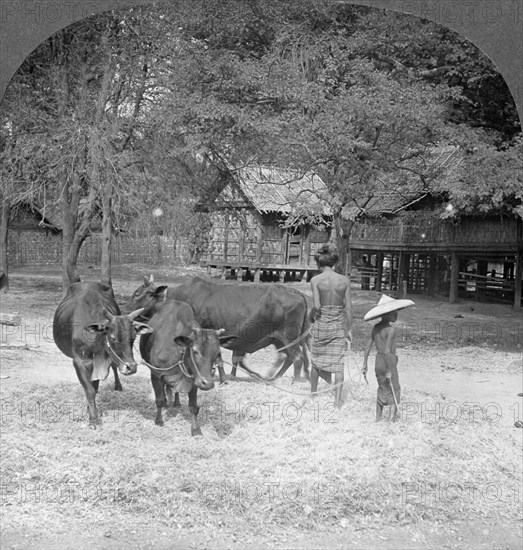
x,y
316,308
368,347
348,306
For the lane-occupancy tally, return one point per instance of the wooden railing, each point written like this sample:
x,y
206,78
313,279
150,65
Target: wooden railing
x,y
434,230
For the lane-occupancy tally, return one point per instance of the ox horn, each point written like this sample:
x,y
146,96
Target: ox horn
x,y
148,280
132,316
108,315
220,331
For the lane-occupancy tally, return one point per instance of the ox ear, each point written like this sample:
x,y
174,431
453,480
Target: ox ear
x,y
142,328
183,341
225,339
160,289
96,327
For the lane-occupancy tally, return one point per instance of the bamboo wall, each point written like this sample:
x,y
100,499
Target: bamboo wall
x,y
39,248
245,236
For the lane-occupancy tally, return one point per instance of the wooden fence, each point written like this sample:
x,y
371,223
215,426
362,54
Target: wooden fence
x,y
37,248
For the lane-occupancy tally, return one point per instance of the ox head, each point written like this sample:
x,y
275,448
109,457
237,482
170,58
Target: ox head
x,y
203,355
145,296
119,332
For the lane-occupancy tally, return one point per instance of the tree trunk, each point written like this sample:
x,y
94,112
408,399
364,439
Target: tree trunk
x,y
340,238
4,231
107,233
73,237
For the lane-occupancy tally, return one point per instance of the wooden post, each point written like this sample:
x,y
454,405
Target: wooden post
x,y
518,275
454,278
406,278
225,236
481,284
399,277
348,262
379,270
257,273
241,241
307,246
284,246
259,243
391,271
432,267
5,212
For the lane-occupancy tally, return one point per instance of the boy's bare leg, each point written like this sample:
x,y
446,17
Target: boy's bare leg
x,y
393,416
379,411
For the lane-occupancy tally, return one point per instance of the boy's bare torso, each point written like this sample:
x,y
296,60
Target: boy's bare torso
x,y
383,336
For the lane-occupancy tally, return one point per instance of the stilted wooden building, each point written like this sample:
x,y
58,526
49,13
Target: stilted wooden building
x,y
256,231
410,249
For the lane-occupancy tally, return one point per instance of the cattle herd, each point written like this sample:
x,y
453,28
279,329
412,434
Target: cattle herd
x,y
182,330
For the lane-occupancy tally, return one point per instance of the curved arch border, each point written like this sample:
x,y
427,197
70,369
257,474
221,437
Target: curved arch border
x,y
494,26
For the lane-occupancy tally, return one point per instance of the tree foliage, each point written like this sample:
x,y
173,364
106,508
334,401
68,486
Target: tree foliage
x,y
160,105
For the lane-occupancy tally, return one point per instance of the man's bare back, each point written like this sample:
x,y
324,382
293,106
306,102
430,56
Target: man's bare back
x,y
331,289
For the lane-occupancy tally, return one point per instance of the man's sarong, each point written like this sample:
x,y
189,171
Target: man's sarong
x,y
329,345
384,363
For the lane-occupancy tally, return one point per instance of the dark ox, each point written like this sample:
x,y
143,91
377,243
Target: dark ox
x,y
89,328
258,314
180,355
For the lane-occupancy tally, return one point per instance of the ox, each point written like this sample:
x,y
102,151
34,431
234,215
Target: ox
x,y
180,355
89,328
258,314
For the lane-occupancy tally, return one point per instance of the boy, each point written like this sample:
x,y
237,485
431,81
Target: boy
x,y
332,318
383,335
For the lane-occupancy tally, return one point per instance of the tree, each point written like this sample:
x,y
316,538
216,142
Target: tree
x,y
85,89
491,183
162,104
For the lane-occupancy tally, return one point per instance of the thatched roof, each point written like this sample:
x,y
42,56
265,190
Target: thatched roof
x,y
270,189
403,189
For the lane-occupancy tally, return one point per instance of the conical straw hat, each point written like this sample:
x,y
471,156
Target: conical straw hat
x,y
386,305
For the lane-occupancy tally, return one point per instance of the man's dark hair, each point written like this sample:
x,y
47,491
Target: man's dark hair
x,y
326,256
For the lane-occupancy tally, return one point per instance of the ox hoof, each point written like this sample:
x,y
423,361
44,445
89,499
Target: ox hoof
x,y
158,422
118,388
223,382
95,424
196,431
177,405
518,424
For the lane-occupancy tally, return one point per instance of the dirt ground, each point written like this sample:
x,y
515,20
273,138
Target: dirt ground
x,y
465,357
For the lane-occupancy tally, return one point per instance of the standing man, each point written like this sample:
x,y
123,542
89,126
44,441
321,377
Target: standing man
x,y
332,318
